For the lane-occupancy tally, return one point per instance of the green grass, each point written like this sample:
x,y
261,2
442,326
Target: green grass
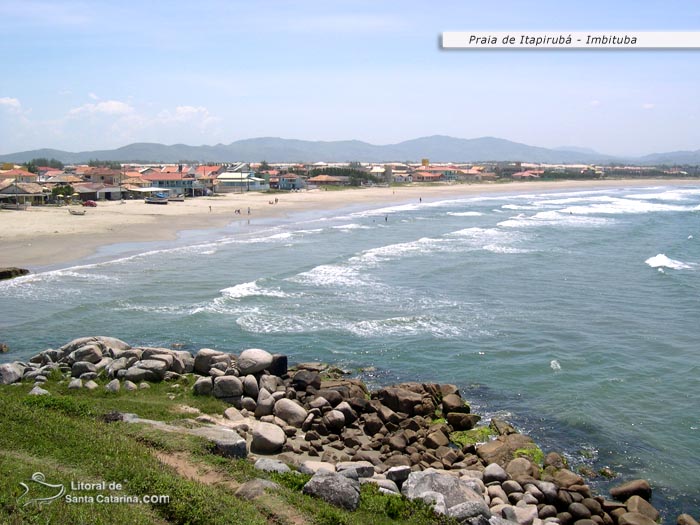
x,y
533,453
65,437
471,437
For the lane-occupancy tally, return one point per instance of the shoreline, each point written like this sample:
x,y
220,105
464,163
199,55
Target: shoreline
x,y
45,236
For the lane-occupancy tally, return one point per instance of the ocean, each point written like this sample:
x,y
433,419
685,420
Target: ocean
x,y
575,315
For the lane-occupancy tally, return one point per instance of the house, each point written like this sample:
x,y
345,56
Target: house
x,y
12,192
93,191
427,176
176,183
525,175
329,180
229,182
18,175
63,179
289,181
105,176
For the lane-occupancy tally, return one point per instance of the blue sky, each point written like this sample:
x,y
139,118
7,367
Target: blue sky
x,y
82,75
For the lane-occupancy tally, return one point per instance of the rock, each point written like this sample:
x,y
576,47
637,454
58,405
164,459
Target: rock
x,y
372,424
227,442
642,506
113,386
355,469
437,439
255,488
38,391
334,420
91,353
454,490
290,411
233,414
156,366
348,412
386,486
398,474
254,360
468,510
129,386
75,384
265,405
501,450
271,465
435,499
10,373
565,478
250,386
636,487
523,515
269,383
335,489
136,375
579,511
461,421
249,404
494,472
207,357
305,378
144,386
279,365
203,386
267,438
686,519
4,348
227,387
454,403
82,367
313,467
12,272
522,470
400,399
90,385
635,518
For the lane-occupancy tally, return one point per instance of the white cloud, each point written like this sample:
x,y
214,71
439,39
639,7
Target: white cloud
x,y
594,103
93,96
12,104
648,105
198,115
108,107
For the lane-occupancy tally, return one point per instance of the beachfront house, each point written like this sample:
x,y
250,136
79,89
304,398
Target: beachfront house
x,y
18,175
328,180
289,181
12,192
231,182
174,182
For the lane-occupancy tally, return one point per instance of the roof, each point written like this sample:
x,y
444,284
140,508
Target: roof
x,y
14,173
163,176
63,179
325,178
22,188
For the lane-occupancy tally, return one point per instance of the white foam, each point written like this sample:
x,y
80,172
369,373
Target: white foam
x,y
352,226
554,365
554,218
661,261
330,275
251,289
465,213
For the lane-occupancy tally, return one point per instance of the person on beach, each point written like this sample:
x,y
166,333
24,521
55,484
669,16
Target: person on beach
x,y
420,199
209,209
248,210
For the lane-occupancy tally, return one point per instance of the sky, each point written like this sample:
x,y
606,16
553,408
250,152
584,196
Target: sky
x,y
92,74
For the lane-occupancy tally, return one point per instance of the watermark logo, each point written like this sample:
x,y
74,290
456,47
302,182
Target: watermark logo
x,y
39,479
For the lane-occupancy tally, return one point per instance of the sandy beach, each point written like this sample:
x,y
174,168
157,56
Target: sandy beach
x,y
46,235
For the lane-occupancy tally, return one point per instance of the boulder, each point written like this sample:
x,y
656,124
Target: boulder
x,y
156,366
10,373
75,384
92,353
250,386
255,488
290,411
254,360
453,490
400,399
314,467
267,438
636,487
227,387
82,367
635,518
38,391
306,378
203,386
454,403
501,450
335,489
495,473
355,469
461,421
686,519
113,386
470,509
129,386
136,375
398,474
12,272
271,465
90,385
207,357
642,506
279,365
227,442
334,420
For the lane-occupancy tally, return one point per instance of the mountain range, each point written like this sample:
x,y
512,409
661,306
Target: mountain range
x,y
437,148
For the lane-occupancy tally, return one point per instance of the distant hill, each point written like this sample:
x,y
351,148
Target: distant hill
x,y
437,148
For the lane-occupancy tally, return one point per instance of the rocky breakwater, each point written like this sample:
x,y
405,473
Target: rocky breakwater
x,y
417,440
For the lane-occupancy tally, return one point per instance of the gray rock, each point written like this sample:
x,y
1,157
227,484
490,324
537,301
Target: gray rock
x,y
233,414
267,438
113,386
269,383
144,386
227,442
227,386
355,469
38,391
207,357
494,472
290,411
136,375
271,465
250,386
454,490
10,373
128,385
254,360
255,488
265,406
115,366
90,385
435,499
203,386
334,420
87,376
398,474
82,367
91,353
468,510
249,404
75,384
642,506
634,518
638,487
386,484
156,366
305,378
313,467
335,489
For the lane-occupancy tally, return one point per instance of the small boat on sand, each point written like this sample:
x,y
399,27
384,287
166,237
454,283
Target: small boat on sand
x,y
157,198
76,212
176,198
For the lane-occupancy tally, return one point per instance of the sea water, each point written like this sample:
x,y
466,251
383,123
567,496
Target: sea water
x,y
574,315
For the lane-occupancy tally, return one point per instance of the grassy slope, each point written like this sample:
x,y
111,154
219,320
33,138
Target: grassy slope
x,y
64,437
